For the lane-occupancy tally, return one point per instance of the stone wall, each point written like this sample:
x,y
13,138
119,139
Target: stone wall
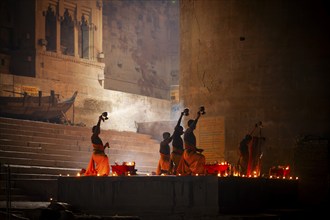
x,y
312,166
251,61
144,196
141,46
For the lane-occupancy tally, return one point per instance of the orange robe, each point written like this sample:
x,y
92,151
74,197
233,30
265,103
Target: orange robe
x,y
99,162
191,163
163,164
175,159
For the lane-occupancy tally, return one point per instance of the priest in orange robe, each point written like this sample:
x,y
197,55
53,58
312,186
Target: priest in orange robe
x,y
192,161
99,162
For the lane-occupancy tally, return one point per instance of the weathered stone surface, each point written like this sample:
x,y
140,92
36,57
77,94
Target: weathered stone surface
x,y
250,61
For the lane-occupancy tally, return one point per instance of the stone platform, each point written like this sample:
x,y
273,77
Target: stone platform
x,y
161,196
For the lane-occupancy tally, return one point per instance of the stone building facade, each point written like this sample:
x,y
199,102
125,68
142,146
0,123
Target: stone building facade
x,y
58,45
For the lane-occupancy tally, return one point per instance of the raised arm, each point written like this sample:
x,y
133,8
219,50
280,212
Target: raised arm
x,y
169,140
179,121
192,126
97,127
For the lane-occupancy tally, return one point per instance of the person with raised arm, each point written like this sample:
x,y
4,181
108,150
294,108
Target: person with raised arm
x,y
177,144
192,161
99,162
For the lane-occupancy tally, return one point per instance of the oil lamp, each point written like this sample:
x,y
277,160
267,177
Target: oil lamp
x,y
186,111
202,110
105,115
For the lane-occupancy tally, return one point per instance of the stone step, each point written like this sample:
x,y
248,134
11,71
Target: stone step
x,y
64,141
42,171
141,166
42,162
40,158
50,133
52,137
65,129
151,156
86,146
44,150
42,145
39,153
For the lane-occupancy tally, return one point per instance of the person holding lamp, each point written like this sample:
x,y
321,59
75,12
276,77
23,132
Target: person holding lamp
x,y
99,162
192,161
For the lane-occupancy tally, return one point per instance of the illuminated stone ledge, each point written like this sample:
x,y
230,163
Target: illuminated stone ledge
x,y
73,59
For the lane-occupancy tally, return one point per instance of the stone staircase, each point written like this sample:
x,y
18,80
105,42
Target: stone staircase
x,y
34,154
